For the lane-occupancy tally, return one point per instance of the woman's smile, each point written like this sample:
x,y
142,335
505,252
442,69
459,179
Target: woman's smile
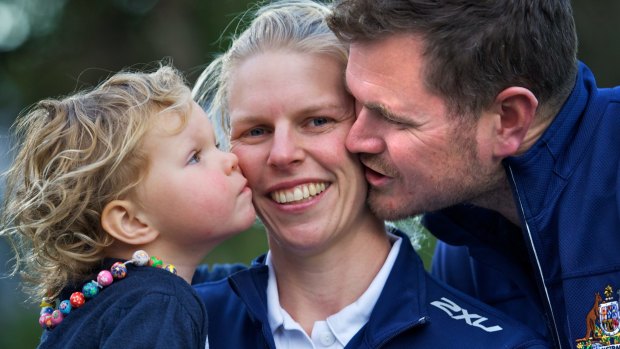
x,y
298,193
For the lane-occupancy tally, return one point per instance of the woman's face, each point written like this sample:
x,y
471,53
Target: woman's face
x,y
290,116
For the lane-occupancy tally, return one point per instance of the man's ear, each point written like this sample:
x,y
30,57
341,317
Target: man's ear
x,y
120,219
516,107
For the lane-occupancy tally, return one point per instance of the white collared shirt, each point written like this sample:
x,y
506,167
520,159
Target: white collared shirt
x,y
338,329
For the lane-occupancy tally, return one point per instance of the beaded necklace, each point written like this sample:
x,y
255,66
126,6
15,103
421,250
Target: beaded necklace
x,y
51,317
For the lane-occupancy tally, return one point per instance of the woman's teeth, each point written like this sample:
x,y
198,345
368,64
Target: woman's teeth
x,y
297,193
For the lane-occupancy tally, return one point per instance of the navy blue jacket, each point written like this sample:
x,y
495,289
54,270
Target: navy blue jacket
x,y
149,308
566,189
413,309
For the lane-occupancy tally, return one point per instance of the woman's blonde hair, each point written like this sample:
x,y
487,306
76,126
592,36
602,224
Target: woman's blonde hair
x,y
75,155
294,25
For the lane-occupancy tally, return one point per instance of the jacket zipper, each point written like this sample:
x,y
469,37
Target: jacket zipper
x,y
556,335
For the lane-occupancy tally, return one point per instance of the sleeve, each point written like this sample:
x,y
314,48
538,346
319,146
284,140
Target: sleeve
x,y
158,320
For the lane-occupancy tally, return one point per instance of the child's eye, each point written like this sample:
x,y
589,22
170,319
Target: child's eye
x,y
195,158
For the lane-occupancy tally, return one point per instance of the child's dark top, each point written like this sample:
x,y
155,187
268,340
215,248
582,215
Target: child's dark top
x,y
149,308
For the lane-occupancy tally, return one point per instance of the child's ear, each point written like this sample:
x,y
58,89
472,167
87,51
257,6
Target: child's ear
x,y
516,107
121,220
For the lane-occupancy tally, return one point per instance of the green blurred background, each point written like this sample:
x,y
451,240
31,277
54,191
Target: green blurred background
x,y
54,47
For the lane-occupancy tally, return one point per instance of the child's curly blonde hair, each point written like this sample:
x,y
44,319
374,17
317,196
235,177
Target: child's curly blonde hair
x,y
74,156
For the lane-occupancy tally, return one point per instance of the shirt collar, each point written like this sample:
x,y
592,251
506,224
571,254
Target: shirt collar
x,y
348,321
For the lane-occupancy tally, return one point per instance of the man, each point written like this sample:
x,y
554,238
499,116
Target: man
x,y
479,113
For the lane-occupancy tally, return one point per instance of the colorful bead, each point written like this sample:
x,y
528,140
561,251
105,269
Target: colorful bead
x,y
57,317
65,307
171,268
156,262
49,318
90,289
77,299
42,320
104,278
140,258
118,270
46,310
45,320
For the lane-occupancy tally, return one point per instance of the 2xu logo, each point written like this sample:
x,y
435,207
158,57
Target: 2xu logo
x,y
458,313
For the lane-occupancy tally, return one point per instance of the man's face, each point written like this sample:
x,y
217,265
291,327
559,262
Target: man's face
x,y
418,157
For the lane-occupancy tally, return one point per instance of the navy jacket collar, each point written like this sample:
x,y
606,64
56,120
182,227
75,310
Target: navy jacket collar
x,y
401,305
559,149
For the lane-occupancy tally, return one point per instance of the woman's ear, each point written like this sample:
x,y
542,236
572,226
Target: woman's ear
x,y
516,107
120,219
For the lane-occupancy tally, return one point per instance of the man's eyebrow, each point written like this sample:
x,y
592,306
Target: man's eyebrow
x,y
383,111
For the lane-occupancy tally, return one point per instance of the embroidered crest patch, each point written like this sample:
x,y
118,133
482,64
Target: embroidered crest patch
x,y
602,323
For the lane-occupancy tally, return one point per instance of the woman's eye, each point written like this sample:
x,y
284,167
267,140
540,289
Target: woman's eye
x,y
319,121
255,132
195,158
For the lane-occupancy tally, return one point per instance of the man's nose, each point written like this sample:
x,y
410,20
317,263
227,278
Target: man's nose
x,y
365,134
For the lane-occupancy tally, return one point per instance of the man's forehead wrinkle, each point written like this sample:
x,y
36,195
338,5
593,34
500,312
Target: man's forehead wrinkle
x,y
380,96
364,72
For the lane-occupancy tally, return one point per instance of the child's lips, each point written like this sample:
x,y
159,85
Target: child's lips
x,y
245,188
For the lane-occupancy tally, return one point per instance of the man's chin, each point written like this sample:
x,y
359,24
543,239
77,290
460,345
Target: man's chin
x,y
386,207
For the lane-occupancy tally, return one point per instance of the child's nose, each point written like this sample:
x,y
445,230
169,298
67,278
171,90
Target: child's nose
x,y
231,162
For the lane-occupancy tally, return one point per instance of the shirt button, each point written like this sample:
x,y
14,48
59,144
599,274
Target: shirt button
x,y
327,339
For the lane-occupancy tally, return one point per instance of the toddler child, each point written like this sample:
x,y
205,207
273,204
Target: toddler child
x,y
102,180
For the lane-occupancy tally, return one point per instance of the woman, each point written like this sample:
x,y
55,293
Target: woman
x,y
333,277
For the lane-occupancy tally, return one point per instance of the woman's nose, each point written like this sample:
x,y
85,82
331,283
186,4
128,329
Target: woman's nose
x,y
286,148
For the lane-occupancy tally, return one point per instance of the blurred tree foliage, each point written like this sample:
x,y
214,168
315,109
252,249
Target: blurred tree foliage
x,y
51,48
93,38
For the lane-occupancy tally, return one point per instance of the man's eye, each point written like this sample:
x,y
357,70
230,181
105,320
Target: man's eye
x,y
395,122
195,158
